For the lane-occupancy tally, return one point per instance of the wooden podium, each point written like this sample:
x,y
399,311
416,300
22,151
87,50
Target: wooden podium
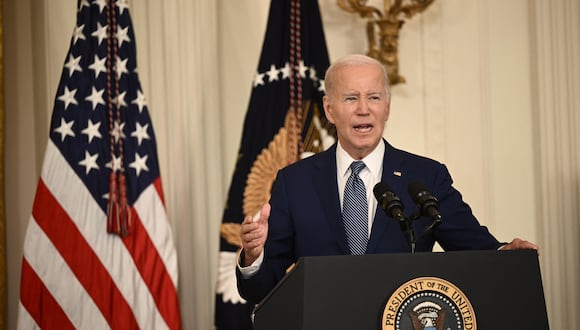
x,y
457,290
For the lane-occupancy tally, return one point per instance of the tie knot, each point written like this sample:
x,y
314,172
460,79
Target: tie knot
x,y
357,166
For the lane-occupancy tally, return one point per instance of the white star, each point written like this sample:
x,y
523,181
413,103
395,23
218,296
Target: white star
x,y
321,87
90,162
140,100
114,164
96,97
313,73
140,133
121,67
140,163
302,69
273,73
92,130
78,34
98,65
68,97
73,65
286,71
65,129
100,32
122,35
120,100
259,79
122,5
102,4
117,132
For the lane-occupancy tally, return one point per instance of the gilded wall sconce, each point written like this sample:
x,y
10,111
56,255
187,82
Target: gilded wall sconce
x,y
386,25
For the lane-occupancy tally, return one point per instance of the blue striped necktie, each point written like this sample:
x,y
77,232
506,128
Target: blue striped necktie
x,y
355,210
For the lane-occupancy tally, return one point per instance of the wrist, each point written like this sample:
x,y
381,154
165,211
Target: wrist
x,y
246,261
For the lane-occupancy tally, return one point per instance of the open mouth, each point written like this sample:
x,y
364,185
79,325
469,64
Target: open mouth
x,y
363,128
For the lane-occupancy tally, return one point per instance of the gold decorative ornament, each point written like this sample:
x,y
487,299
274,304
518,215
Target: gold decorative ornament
x,y
261,177
230,231
267,164
280,152
386,24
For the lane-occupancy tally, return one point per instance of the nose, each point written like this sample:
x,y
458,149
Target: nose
x,y
363,106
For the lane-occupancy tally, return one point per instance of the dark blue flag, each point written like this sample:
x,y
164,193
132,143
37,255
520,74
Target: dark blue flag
x,y
284,122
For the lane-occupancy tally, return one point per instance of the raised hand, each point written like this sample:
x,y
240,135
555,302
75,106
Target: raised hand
x,y
253,235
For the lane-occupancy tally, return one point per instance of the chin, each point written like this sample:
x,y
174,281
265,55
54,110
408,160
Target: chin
x,y
368,142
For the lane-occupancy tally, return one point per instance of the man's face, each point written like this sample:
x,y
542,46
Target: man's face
x,y
358,106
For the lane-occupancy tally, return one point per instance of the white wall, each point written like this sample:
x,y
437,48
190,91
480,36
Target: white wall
x,y
468,102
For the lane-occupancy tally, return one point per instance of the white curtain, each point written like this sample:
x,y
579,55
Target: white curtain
x,y
178,56
557,82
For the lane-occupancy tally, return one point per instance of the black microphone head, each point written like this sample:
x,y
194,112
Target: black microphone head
x,y
416,190
380,190
388,201
421,196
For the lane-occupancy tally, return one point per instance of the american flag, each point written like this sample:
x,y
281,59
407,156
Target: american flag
x,y
78,272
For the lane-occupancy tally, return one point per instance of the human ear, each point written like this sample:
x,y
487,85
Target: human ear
x,y
327,109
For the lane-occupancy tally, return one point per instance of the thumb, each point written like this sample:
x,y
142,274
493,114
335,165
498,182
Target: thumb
x,y
264,214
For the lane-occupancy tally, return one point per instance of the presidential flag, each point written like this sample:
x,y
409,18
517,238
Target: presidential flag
x,y
98,251
284,122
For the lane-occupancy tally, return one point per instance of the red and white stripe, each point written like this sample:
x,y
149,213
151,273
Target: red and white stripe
x,y
76,275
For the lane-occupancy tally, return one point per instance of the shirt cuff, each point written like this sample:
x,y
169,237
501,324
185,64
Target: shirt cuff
x,y
252,269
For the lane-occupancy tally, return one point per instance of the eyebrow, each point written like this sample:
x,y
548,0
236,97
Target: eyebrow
x,y
362,94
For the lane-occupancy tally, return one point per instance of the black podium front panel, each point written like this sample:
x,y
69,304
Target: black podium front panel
x,y
502,289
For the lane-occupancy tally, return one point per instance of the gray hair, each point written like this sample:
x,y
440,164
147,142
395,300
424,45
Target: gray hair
x,y
353,60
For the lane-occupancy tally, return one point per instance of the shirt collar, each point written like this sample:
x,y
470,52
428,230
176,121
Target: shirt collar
x,y
373,161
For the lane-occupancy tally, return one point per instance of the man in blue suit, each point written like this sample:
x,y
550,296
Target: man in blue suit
x,y
309,213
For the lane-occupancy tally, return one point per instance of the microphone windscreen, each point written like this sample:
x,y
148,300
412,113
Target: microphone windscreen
x,y
416,189
380,189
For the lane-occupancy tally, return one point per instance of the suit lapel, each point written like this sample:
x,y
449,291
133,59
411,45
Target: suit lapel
x,y
327,188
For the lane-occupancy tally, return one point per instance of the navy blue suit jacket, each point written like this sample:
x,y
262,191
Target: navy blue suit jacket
x,y
306,217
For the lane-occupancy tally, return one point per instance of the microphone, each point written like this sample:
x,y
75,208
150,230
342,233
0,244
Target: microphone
x,y
428,204
393,207
389,202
